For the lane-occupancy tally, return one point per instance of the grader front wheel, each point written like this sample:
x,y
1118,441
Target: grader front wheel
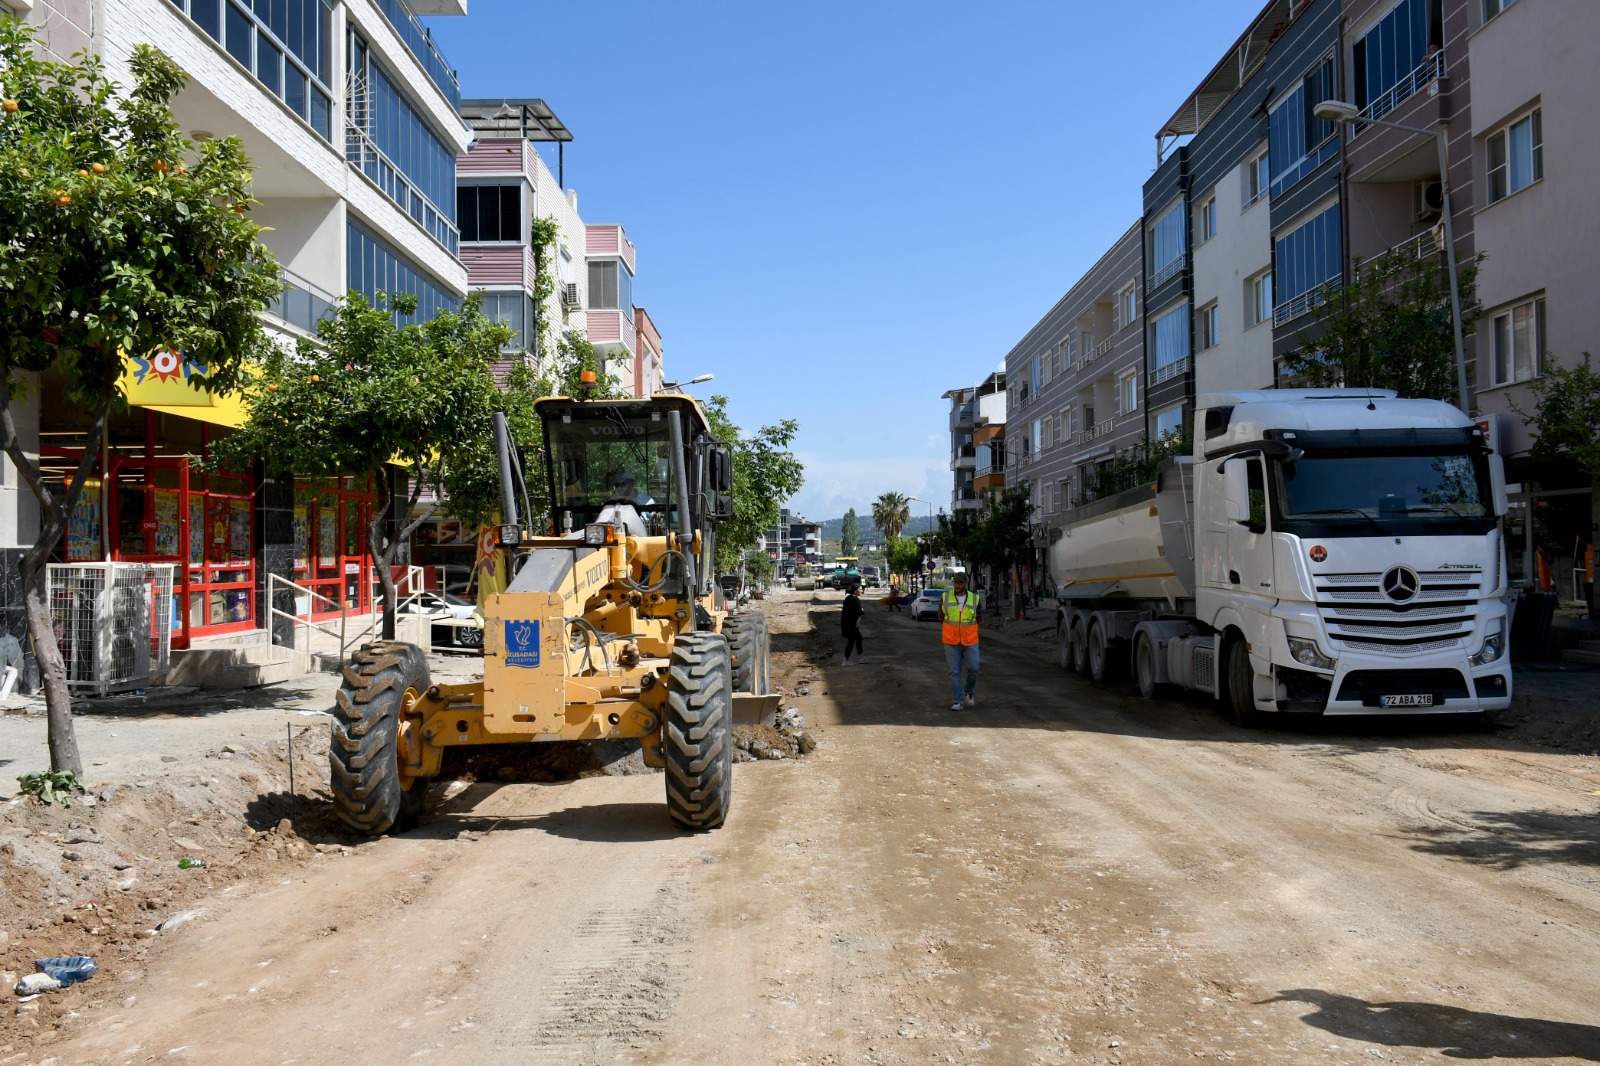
x,y
376,739
699,731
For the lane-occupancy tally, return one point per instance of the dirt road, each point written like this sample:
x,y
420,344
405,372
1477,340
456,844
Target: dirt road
x,y
1064,874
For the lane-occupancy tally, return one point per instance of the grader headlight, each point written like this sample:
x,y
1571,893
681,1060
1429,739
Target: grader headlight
x,y
598,534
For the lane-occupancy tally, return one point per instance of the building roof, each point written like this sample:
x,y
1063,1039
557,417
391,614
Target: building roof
x,y
1233,70
513,120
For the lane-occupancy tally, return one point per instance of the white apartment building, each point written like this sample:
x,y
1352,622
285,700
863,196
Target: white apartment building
x,y
349,115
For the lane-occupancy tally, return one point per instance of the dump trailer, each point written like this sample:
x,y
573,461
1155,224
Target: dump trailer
x,y
611,625
1332,551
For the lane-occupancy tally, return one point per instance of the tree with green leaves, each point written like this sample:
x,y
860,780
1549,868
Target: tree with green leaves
x,y
120,238
758,566
994,537
904,556
890,513
1389,328
765,473
849,533
371,393
1566,416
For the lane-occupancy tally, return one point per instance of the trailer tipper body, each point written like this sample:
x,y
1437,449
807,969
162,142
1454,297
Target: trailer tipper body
x,y
1332,551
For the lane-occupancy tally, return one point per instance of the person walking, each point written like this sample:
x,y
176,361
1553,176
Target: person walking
x,y
958,611
894,596
850,625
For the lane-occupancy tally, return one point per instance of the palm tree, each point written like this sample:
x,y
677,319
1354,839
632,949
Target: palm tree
x,y
890,513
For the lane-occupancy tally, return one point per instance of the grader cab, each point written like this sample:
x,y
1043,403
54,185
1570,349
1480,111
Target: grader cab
x,y
611,625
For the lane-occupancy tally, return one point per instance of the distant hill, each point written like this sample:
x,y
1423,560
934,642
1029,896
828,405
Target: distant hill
x,y
832,528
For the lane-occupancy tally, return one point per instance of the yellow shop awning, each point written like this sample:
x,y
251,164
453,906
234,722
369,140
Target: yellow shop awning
x,y
163,382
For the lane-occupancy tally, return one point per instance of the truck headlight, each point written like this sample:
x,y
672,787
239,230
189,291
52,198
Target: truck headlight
x,y
1305,653
1494,645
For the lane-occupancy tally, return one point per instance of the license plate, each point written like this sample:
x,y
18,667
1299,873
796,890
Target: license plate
x,y
1415,699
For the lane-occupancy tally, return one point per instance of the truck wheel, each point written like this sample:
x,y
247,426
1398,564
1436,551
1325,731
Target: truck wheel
x,y
1080,646
377,733
740,629
1100,668
1063,647
1240,699
1144,667
699,731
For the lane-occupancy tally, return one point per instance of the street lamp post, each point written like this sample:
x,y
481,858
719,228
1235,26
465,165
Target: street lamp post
x,y
929,534
1348,115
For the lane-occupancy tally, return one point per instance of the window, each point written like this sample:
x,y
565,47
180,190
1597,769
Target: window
x,y
1258,178
1210,326
1167,243
514,309
1517,340
391,143
1516,156
1387,54
1169,422
489,212
371,266
1491,8
1128,393
610,286
1307,256
1033,376
1297,141
1046,368
1036,435
291,54
1208,219
1258,294
1169,338
1127,306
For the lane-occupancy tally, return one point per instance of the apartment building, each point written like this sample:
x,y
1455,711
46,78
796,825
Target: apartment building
x,y
349,113
646,375
1534,83
1075,382
977,441
1243,217
792,540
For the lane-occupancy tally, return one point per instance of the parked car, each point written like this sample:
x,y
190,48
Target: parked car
x,y
926,605
448,605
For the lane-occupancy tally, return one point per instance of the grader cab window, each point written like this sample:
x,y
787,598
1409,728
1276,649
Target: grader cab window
x,y
606,454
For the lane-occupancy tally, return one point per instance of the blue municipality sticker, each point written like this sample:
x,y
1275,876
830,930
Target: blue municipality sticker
x,y
522,644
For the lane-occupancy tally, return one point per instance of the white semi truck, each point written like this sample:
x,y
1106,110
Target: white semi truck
x,y
1332,551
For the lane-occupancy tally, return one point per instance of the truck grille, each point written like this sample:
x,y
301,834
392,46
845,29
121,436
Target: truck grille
x,y
1382,612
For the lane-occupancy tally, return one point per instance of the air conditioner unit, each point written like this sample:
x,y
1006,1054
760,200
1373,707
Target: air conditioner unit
x,y
569,294
1429,200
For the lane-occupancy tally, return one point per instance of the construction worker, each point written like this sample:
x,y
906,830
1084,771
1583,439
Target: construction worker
x,y
958,613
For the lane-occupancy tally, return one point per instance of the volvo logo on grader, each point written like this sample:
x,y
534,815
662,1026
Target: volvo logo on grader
x,y
610,628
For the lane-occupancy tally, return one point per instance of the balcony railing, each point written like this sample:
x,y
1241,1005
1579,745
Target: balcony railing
x,y
1168,270
1428,72
360,150
1292,309
1421,246
1104,348
1103,429
420,41
1169,370
302,304
990,470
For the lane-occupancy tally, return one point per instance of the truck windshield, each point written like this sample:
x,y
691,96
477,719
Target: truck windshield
x,y
1366,493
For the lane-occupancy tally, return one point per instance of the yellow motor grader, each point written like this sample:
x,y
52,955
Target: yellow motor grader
x,y
612,626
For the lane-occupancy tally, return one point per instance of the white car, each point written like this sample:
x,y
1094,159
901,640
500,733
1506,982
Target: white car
x,y
447,605
926,605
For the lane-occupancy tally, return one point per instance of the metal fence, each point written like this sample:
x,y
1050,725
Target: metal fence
x,y
113,623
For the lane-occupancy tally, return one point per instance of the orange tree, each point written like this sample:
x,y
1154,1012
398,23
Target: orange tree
x,y
372,394
117,237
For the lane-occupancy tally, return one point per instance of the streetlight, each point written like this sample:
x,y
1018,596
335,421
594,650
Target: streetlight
x,y
929,535
674,386
1348,115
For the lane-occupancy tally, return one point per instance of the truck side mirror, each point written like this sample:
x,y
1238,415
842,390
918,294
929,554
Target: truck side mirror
x,y
722,507
1497,485
721,469
1235,491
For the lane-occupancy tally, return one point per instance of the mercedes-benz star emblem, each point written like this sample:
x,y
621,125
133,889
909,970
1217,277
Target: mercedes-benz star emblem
x,y
1400,583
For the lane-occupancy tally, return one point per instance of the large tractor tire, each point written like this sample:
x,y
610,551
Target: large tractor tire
x,y
376,735
699,731
743,631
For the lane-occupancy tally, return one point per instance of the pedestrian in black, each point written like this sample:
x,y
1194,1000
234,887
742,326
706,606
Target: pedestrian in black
x,y
850,625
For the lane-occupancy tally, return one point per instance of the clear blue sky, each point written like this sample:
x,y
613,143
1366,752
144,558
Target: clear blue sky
x,y
843,209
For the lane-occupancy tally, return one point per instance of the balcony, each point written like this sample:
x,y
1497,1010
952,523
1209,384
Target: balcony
x,y
1426,76
366,156
417,38
612,332
1307,301
1103,349
964,456
963,415
1169,370
1169,270
302,304
1425,244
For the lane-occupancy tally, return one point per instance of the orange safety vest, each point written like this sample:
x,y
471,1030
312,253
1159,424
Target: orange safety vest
x,y
960,618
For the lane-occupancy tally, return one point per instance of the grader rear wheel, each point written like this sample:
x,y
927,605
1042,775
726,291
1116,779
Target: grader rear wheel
x,y
699,731
376,737
744,637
